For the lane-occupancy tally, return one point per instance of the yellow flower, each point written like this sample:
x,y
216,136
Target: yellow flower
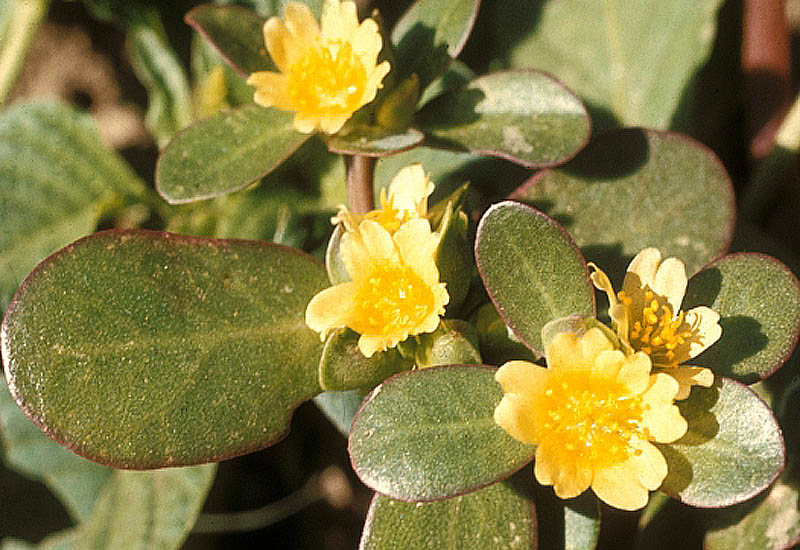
x,y
593,413
647,316
325,74
407,200
395,290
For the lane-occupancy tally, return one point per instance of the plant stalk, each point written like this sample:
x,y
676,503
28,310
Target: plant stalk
x,y
360,172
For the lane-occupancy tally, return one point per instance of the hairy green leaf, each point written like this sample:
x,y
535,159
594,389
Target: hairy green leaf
x,y
225,153
523,116
142,349
430,434
758,300
498,516
374,141
635,188
732,451
532,270
56,180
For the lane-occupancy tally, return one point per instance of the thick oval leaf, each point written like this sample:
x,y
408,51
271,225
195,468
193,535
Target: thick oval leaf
x,y
343,366
532,270
498,516
147,510
225,153
74,480
430,434
523,116
237,33
635,188
732,451
142,349
374,141
430,35
598,49
758,300
56,180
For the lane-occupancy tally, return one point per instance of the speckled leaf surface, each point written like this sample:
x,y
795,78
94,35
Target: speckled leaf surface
x,y
498,516
430,434
523,116
633,61
225,153
635,188
237,33
430,35
143,349
56,180
758,300
532,270
732,450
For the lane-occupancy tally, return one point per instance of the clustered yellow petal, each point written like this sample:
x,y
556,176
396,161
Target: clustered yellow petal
x,y
327,71
647,316
593,413
407,200
394,291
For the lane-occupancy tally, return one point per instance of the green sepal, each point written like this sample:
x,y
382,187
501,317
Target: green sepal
x,y
454,342
430,434
732,450
454,254
496,344
343,366
499,516
532,270
142,349
225,152
236,32
758,300
523,116
334,265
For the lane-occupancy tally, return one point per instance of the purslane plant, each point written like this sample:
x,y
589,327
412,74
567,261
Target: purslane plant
x,y
101,331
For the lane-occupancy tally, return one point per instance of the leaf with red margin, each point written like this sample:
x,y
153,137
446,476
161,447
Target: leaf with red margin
x,y
142,349
532,270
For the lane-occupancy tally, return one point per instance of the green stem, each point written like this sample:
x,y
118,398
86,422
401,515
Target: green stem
x,y
360,171
252,520
772,172
26,15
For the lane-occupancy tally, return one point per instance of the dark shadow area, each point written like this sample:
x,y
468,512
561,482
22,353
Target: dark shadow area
x,y
452,110
675,527
612,155
418,53
741,339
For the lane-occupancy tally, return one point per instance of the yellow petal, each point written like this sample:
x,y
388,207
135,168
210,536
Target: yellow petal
x,y
332,124
368,345
301,23
355,255
620,315
687,377
328,309
647,465
663,419
562,352
367,42
410,188
635,373
522,377
270,89
377,241
641,271
670,281
705,322
602,283
280,43
592,343
374,82
304,124
516,415
339,20
416,245
616,487
607,364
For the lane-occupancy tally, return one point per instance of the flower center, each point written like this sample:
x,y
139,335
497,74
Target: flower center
x,y
328,80
592,421
658,332
393,299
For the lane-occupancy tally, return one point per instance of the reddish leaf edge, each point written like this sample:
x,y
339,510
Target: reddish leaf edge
x,y
421,372
78,449
433,142
535,179
492,295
